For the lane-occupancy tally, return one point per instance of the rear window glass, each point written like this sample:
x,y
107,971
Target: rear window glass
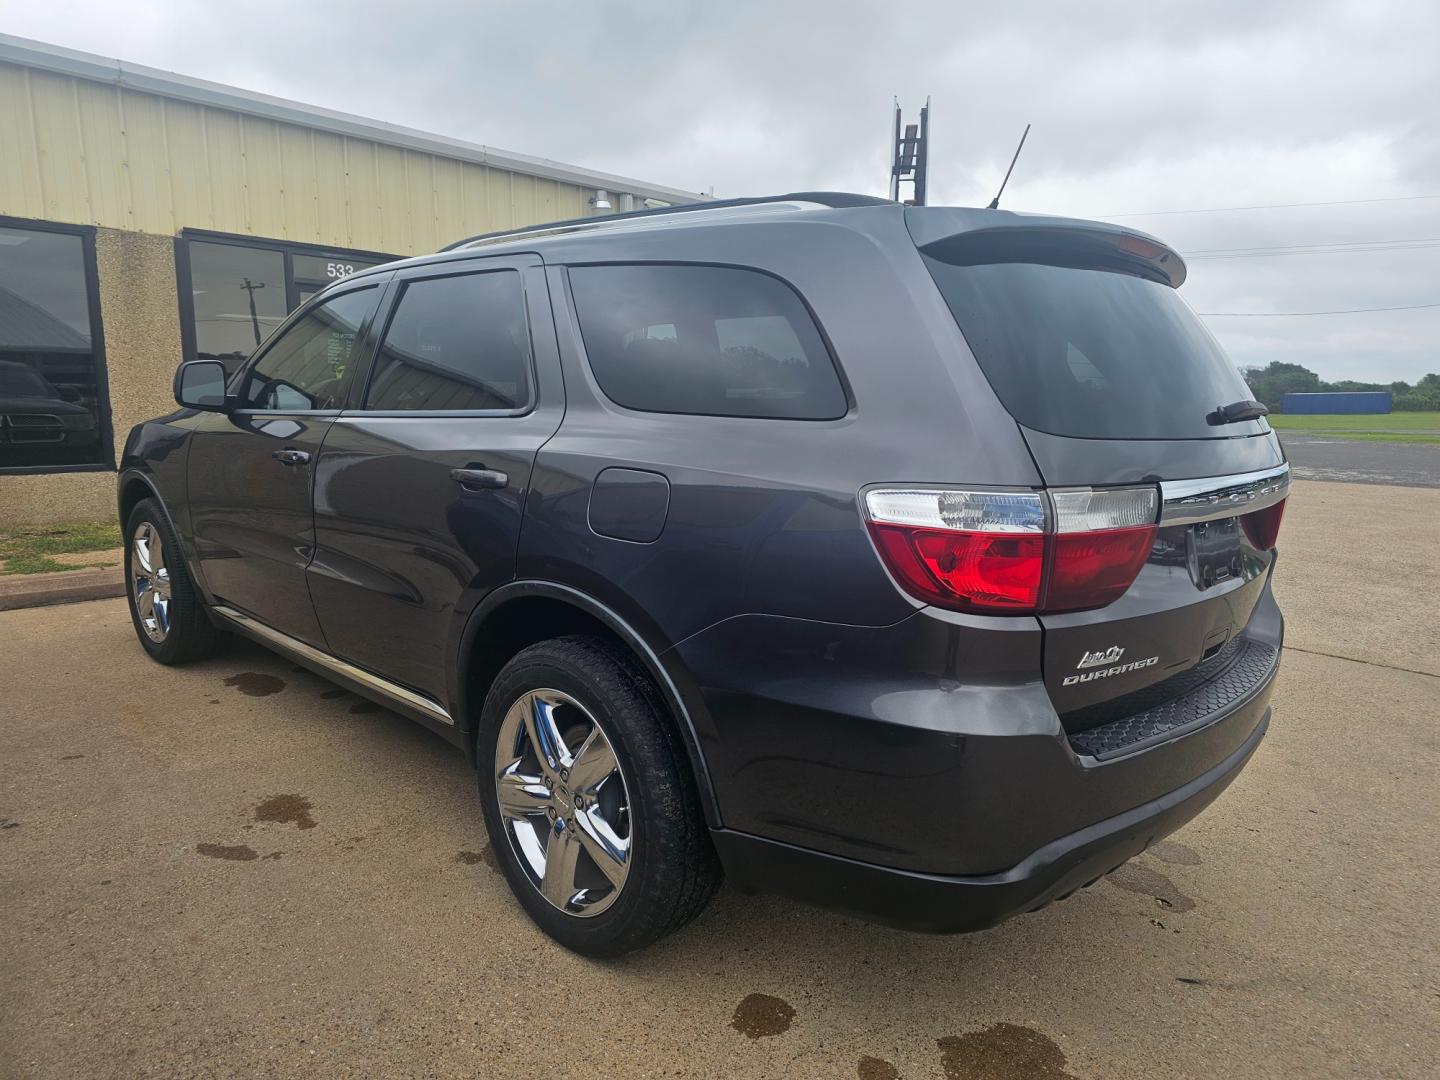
x,y
1091,353
708,340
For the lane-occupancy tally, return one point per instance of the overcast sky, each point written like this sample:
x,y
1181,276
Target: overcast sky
x,y
1139,106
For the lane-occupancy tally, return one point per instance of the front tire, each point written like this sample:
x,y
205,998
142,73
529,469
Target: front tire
x,y
588,800
165,606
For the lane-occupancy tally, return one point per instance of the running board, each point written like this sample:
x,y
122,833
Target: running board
x,y
408,700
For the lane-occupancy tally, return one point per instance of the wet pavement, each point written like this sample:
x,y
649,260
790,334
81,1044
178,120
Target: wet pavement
x,y
230,870
1313,457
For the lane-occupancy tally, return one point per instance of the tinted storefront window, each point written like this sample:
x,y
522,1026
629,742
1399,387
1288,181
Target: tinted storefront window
x,y
52,399
240,292
239,298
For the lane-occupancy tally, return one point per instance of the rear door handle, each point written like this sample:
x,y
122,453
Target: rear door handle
x,y
480,479
291,457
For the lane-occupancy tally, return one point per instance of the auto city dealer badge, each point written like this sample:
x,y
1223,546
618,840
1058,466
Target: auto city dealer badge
x,y
1108,656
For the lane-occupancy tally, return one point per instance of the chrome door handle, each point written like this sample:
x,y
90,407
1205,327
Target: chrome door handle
x,y
291,457
480,479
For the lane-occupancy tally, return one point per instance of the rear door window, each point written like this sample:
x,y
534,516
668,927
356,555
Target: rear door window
x,y
704,340
455,344
1091,353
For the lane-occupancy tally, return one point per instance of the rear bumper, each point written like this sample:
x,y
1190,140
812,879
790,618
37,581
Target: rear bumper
x,y
952,904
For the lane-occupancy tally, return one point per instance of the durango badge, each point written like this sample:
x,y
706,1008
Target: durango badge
x,y
1109,656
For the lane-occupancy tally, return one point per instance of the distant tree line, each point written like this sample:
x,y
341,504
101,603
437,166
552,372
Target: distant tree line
x,y
1269,384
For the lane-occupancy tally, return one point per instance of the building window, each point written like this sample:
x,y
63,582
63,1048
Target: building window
x,y
54,412
236,291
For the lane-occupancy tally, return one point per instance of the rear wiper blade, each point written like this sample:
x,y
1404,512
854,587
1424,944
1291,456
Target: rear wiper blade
x,y
1237,411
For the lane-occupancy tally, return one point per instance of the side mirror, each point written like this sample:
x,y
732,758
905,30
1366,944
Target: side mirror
x,y
200,384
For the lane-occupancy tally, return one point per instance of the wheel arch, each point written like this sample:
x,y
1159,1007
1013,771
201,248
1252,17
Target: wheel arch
x,y
522,613
134,487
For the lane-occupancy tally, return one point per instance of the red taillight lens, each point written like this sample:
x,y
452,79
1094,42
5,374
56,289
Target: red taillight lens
x,y
1263,526
971,571
1011,552
1092,569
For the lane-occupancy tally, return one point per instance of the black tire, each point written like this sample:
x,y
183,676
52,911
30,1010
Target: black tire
x,y
190,634
673,869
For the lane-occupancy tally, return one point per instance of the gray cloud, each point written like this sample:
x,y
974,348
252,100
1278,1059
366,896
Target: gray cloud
x,y
1135,107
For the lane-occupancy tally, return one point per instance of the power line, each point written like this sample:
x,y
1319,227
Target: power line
x,y
1339,247
1286,314
1268,206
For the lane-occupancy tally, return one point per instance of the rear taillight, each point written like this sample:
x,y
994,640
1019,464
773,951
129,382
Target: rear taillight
x,y
1263,526
1016,552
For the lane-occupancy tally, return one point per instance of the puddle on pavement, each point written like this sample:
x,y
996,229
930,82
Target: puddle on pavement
x,y
485,855
1177,854
760,1015
873,1068
71,757
1133,877
331,695
1002,1052
286,810
255,683
237,853
360,708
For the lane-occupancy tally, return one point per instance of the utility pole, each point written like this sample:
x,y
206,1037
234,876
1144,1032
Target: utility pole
x,y
250,287
910,156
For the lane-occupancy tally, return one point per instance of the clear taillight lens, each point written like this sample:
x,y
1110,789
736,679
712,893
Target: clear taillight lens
x,y
1013,552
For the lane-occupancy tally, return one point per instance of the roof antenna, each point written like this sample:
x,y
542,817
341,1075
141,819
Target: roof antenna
x,y
995,202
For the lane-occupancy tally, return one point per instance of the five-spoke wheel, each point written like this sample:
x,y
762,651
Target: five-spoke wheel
x,y
591,809
150,582
564,801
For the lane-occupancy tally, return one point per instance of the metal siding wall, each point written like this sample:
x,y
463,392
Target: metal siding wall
x,y
91,153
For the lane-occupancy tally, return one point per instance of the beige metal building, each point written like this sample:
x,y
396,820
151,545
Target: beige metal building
x,y
147,217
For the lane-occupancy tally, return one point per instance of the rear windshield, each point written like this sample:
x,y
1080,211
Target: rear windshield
x,y
1088,353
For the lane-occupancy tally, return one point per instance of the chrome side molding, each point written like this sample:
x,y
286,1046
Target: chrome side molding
x,y
294,647
1185,502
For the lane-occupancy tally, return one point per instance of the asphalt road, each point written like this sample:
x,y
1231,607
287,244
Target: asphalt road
x,y
1313,457
236,869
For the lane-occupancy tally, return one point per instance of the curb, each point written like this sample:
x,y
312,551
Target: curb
x,y
61,587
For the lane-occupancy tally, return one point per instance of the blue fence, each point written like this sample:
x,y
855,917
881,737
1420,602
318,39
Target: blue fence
x,y
1345,401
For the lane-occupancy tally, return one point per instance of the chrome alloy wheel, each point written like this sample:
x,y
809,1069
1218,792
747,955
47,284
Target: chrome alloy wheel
x,y
150,582
566,811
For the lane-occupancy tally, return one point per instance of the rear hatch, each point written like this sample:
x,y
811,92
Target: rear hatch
x,y
1115,383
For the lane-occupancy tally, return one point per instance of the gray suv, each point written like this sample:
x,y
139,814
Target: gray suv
x,y
912,561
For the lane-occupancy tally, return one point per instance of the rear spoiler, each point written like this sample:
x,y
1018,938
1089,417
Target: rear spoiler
x,y
965,237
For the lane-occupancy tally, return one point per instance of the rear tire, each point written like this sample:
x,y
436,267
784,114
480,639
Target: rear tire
x,y
590,691
165,607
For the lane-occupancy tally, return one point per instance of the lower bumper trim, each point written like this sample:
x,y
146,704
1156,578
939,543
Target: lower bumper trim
x,y
944,904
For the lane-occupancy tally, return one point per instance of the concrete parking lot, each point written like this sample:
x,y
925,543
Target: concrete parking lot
x,y
236,869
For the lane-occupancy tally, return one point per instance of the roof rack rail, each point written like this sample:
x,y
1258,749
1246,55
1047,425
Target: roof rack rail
x,y
835,199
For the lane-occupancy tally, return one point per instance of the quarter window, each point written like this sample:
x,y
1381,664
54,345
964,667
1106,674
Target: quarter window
x,y
306,368
53,413
706,340
455,344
